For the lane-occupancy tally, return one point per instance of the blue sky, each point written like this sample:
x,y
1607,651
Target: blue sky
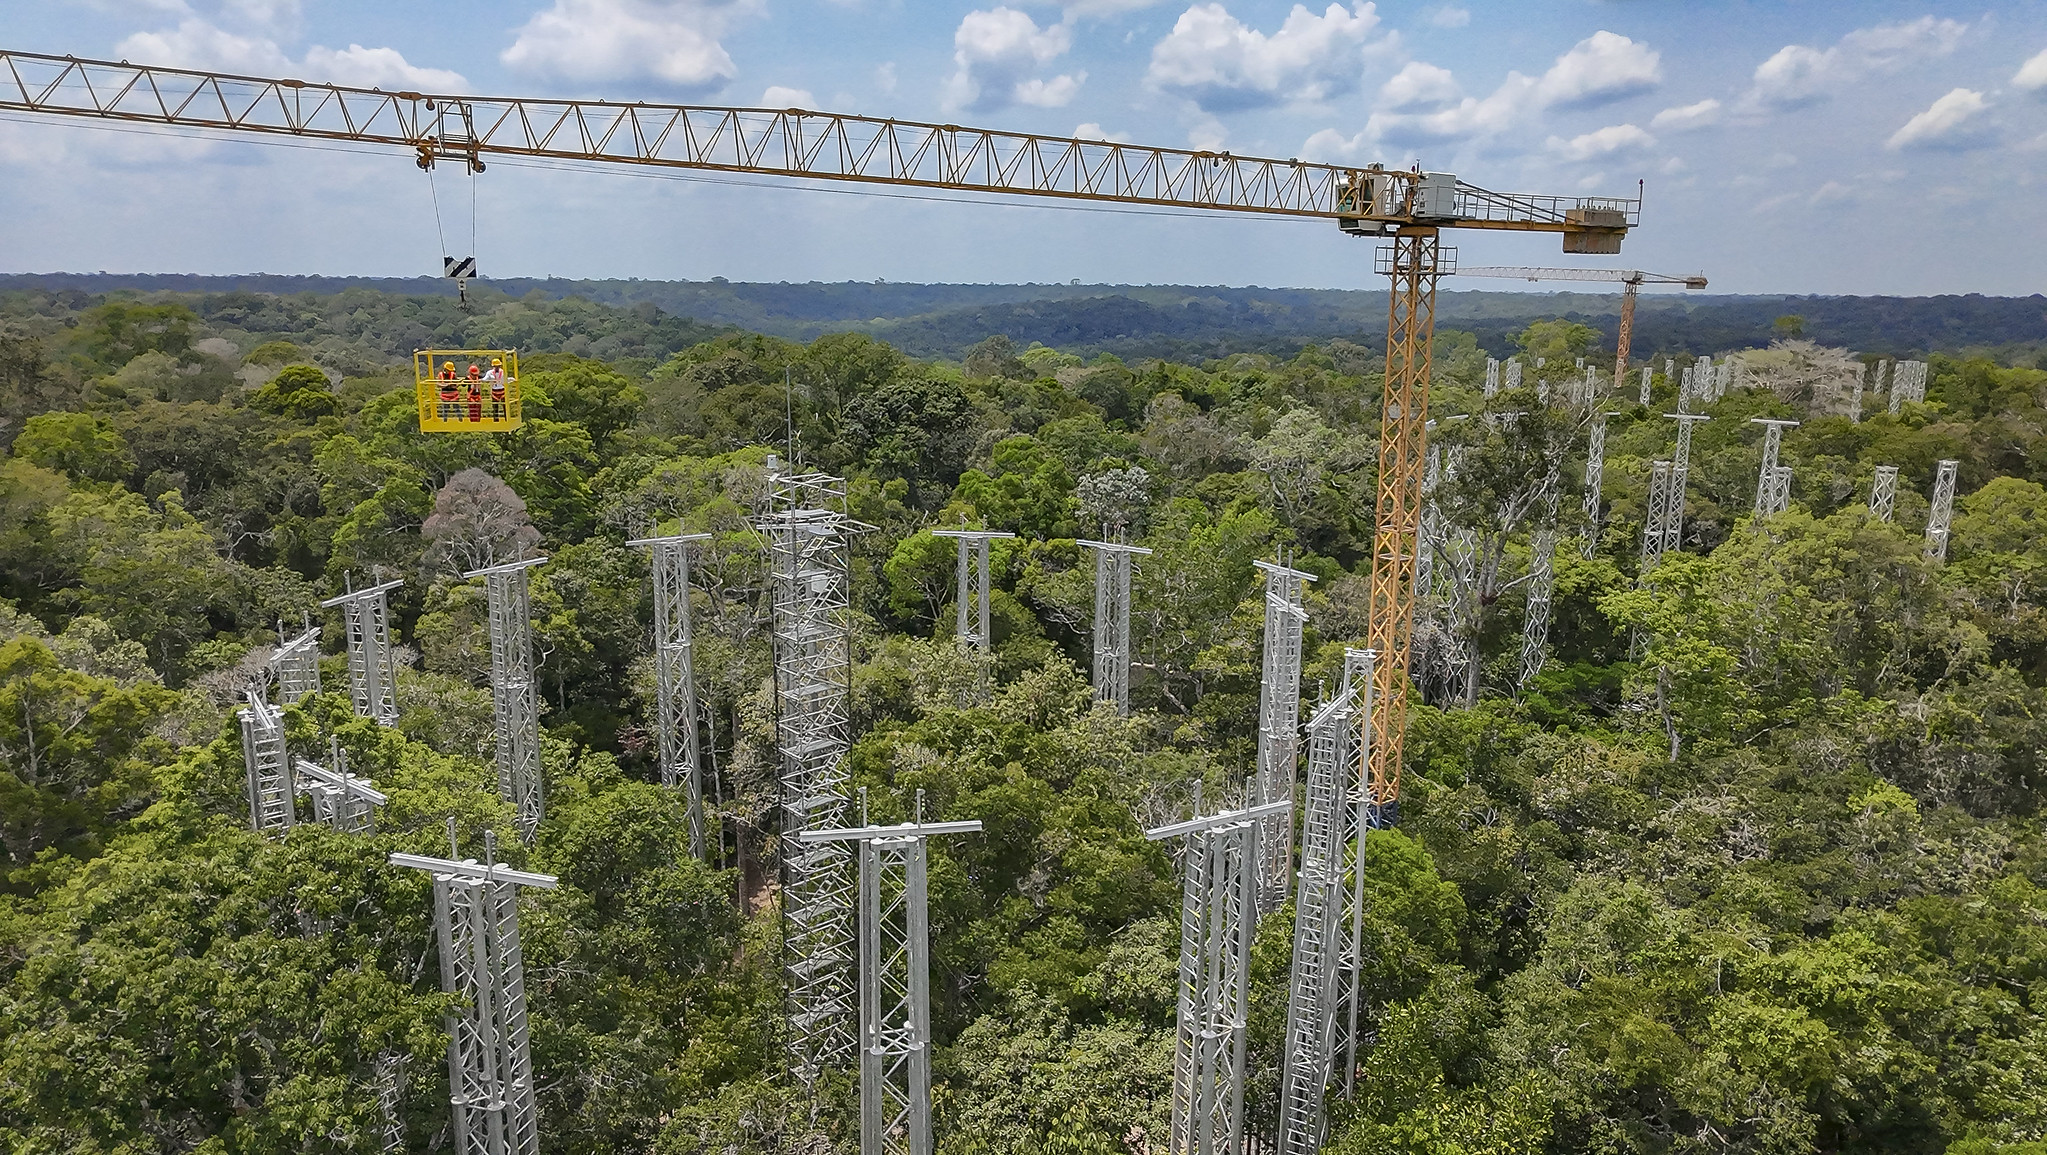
x,y
1817,147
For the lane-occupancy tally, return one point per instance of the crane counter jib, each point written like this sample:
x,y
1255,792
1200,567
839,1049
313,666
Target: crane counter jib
x,y
797,143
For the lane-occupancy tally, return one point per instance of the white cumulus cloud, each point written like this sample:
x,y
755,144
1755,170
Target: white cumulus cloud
x,y
1953,121
1686,116
676,42
197,42
1601,68
1450,16
1799,74
1419,85
1601,142
1223,64
2032,75
996,54
777,96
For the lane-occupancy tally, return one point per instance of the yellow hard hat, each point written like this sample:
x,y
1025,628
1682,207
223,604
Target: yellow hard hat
x,y
497,361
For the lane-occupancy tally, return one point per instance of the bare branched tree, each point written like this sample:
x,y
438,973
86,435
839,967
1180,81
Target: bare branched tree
x,y
478,522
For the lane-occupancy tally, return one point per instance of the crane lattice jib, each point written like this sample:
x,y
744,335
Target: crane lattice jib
x,y
779,142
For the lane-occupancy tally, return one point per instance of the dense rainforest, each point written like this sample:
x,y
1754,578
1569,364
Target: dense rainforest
x,y
1752,863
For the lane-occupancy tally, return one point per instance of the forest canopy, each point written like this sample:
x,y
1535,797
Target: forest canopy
x,y
1752,860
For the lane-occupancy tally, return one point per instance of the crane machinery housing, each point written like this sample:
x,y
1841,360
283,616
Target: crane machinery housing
x,y
1630,280
1410,208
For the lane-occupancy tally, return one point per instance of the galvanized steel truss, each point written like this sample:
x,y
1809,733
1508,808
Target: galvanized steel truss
x,y
1595,478
1943,509
1773,493
1279,726
808,541
1323,995
677,742
971,610
297,666
895,981
1218,919
1112,620
271,791
513,699
1883,492
388,1077
372,664
490,1067
341,801
1655,535
1542,548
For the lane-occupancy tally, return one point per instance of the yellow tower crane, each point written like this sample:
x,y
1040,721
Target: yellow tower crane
x,y
1630,280
1409,207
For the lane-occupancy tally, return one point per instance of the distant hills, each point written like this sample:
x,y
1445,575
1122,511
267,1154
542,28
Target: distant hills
x,y
1188,321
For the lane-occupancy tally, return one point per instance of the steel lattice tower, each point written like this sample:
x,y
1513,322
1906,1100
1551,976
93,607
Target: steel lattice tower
x,y
971,625
1908,383
1943,509
388,1077
272,792
1883,492
1218,918
1595,478
1654,536
1542,548
1324,990
297,665
809,542
490,1066
372,664
1279,724
675,684
895,980
1112,620
1767,492
1779,492
1514,371
1492,377
512,692
1680,464
341,801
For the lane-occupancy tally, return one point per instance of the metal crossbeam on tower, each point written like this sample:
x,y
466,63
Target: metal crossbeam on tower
x,y
1218,902
1654,531
971,625
1112,619
677,742
490,1065
1942,510
1324,989
271,791
895,979
372,664
1279,724
512,693
1883,492
1767,489
296,665
809,545
341,801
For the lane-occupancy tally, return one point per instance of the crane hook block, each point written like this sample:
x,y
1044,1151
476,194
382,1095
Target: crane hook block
x,y
467,390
